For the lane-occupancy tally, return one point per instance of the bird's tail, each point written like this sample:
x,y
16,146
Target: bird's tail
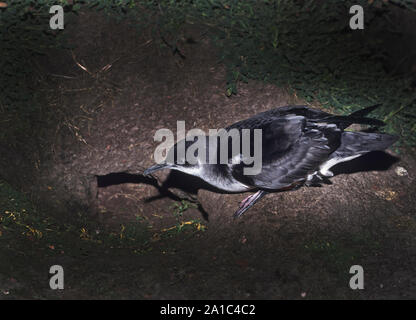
x,y
355,117
365,111
356,143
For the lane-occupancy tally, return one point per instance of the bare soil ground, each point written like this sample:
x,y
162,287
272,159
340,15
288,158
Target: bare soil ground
x,y
291,245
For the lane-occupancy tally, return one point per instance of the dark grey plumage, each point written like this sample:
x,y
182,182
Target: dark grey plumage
x,y
299,145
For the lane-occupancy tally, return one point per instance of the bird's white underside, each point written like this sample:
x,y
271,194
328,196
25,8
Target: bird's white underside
x,y
324,168
233,185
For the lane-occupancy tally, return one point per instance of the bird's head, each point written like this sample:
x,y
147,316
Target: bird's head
x,y
184,156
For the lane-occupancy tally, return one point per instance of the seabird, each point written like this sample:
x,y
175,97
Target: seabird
x,y
299,146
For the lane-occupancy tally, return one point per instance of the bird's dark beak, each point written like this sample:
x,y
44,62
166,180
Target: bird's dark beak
x,y
156,167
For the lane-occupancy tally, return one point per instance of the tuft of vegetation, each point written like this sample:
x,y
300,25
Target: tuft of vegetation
x,y
182,225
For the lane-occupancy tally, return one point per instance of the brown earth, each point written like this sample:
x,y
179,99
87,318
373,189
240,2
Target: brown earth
x,y
114,92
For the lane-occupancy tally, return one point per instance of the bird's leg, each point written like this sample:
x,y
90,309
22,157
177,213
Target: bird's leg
x,y
313,180
248,202
316,179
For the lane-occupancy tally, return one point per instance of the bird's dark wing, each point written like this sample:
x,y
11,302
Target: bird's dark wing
x,y
312,115
291,149
296,140
265,117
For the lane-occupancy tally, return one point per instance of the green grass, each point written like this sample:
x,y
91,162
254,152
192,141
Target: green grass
x,y
304,45
29,237
22,223
182,225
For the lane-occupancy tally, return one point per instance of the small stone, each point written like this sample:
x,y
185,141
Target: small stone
x,y
400,171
